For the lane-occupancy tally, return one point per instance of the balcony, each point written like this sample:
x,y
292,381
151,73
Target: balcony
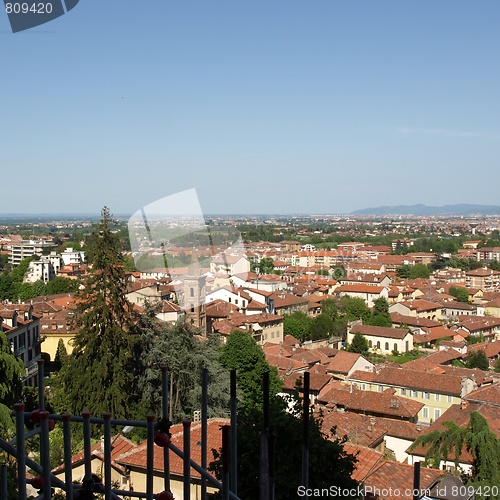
x,y
32,370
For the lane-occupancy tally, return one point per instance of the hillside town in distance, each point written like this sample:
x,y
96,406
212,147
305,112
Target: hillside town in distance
x,y
396,319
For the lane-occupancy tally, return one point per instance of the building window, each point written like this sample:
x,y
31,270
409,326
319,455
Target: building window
x,y
363,387
425,395
387,346
191,292
378,345
449,399
370,344
437,413
403,392
380,388
425,412
438,397
395,346
414,394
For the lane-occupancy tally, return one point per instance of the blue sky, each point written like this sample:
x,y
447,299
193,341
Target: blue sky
x,y
272,106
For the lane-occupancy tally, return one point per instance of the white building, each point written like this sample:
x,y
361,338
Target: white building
x,y
27,248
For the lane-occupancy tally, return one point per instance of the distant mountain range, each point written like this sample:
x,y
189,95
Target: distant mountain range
x,y
461,209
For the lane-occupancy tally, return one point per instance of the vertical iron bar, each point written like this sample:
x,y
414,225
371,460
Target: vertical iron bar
x,y
204,433
305,432
416,480
107,455
41,384
187,457
21,451
166,450
225,461
87,459
150,457
45,454
68,466
3,481
234,436
264,442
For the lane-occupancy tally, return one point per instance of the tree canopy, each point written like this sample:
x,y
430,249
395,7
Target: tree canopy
x,y
477,438
359,344
99,374
12,370
241,353
329,463
176,347
477,359
461,294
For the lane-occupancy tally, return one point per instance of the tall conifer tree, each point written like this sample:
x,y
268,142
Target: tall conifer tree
x,y
98,376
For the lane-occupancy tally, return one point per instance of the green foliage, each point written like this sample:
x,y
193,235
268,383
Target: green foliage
x,y
475,339
329,464
380,315
12,370
461,294
241,353
329,307
176,347
60,285
322,327
497,365
359,344
477,438
61,356
413,272
495,265
353,308
7,290
339,272
265,266
477,359
99,375
297,324
18,272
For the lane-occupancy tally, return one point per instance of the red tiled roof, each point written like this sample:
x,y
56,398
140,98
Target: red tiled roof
x,y
343,362
413,379
381,331
137,457
367,459
394,480
381,403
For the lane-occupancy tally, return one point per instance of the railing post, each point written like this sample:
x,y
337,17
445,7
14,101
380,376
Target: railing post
x,y
226,460
107,455
204,433
68,466
187,457
41,384
45,454
305,432
234,436
4,491
165,417
87,458
21,451
150,456
265,485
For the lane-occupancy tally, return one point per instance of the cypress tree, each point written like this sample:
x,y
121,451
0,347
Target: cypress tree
x,y
98,376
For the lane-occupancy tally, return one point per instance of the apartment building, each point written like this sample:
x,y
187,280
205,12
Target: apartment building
x,y
22,330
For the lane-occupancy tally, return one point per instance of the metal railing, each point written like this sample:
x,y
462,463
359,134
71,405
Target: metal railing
x,y
46,481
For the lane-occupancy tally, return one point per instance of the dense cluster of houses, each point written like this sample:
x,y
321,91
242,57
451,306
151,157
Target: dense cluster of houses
x,y
381,407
